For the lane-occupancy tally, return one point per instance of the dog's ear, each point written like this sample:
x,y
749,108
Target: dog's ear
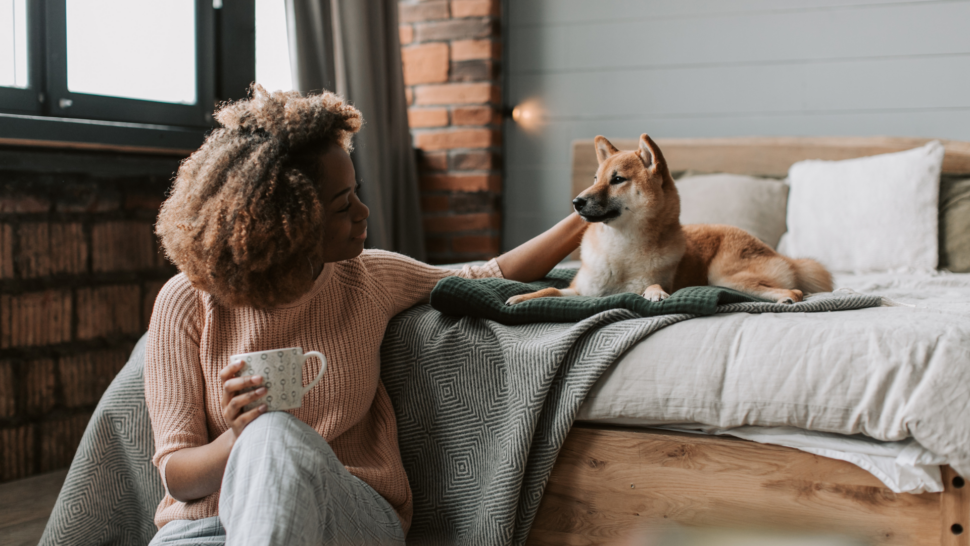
x,y
604,148
649,152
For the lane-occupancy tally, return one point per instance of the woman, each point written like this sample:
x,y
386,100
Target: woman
x,y
266,227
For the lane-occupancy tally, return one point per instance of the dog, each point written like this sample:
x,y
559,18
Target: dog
x,y
635,242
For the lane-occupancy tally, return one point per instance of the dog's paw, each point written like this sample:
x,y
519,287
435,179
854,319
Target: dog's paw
x,y
655,294
794,297
516,299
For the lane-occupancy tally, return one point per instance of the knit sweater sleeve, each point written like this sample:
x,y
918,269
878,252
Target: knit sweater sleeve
x,y
174,384
406,282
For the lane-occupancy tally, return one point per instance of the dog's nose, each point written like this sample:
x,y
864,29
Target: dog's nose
x,y
579,203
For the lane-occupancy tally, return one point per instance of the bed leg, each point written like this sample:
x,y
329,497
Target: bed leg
x,y
955,509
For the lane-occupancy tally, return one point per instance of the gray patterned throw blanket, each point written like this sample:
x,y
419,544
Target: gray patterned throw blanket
x,y
482,409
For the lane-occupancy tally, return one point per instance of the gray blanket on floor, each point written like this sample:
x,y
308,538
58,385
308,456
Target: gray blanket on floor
x,y
482,412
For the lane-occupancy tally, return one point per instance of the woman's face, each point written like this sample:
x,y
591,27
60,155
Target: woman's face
x,y
346,215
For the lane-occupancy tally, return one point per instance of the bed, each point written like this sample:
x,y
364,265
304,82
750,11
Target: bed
x,y
615,478
487,441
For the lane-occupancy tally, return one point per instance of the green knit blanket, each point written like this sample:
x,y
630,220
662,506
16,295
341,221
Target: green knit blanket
x,y
485,298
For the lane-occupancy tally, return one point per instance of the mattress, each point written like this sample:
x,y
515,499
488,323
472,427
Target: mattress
x,y
877,387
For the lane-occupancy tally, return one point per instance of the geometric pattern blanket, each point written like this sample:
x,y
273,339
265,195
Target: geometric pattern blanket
x,y
482,411
483,408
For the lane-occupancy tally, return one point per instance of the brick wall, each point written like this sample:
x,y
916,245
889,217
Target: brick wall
x,y
79,271
451,52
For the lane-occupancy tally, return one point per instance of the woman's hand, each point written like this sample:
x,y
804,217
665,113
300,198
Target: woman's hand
x,y
233,399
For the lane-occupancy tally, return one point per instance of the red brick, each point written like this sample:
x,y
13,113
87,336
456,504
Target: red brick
x,y
35,318
461,138
50,249
6,251
148,305
144,201
122,246
406,34
462,222
461,182
476,115
8,389
16,452
475,160
86,376
409,95
35,249
437,245
434,203
108,310
480,201
474,8
24,204
69,248
469,50
59,440
457,93
427,117
472,71
478,244
425,11
38,386
86,198
455,29
432,161
425,63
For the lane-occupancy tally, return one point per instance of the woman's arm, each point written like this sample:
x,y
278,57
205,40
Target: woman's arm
x,y
405,281
534,258
191,463
196,472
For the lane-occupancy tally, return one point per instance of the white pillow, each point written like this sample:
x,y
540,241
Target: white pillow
x,y
756,205
875,213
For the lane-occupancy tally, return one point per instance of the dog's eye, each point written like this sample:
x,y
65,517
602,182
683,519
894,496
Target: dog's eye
x,y
617,180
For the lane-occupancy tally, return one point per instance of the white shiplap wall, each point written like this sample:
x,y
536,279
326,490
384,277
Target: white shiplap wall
x,y
706,68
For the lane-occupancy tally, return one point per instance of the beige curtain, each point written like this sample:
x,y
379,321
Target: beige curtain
x,y
352,47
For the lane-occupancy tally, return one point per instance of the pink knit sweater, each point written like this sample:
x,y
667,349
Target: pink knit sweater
x,y
343,316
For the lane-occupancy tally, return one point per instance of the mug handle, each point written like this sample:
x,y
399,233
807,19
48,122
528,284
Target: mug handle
x,y
323,368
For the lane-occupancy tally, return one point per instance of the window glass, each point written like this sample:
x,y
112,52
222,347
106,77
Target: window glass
x,y
272,49
138,49
13,43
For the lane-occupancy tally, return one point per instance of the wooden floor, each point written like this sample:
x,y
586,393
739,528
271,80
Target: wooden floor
x,y
25,506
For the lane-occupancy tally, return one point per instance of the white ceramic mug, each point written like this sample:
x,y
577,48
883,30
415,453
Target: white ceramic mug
x,y
282,371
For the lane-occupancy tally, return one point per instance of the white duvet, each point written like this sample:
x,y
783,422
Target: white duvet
x,y
889,373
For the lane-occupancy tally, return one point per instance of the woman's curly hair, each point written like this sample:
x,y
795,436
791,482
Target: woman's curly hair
x,y
245,213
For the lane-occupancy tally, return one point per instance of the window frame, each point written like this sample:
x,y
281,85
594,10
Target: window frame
x,y
30,99
225,65
67,104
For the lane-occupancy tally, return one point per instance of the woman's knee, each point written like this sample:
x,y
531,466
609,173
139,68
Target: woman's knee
x,y
272,423
278,430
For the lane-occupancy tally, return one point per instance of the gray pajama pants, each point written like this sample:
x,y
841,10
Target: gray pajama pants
x,y
284,485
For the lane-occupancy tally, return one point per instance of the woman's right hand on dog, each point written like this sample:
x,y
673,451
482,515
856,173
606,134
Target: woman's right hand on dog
x,y
234,400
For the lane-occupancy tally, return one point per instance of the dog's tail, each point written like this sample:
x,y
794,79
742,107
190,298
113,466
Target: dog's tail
x,y
811,276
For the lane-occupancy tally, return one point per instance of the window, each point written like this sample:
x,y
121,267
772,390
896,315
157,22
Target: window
x,y
13,47
272,49
152,70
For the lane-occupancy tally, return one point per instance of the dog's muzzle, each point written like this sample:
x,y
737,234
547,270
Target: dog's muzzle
x,y
593,211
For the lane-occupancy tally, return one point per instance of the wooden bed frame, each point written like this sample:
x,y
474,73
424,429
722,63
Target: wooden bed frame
x,y
612,483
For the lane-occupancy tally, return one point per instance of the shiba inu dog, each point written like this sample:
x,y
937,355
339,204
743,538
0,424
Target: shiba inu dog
x,y
637,244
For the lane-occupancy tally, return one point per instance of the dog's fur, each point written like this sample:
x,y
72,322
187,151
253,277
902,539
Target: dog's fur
x,y
637,244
